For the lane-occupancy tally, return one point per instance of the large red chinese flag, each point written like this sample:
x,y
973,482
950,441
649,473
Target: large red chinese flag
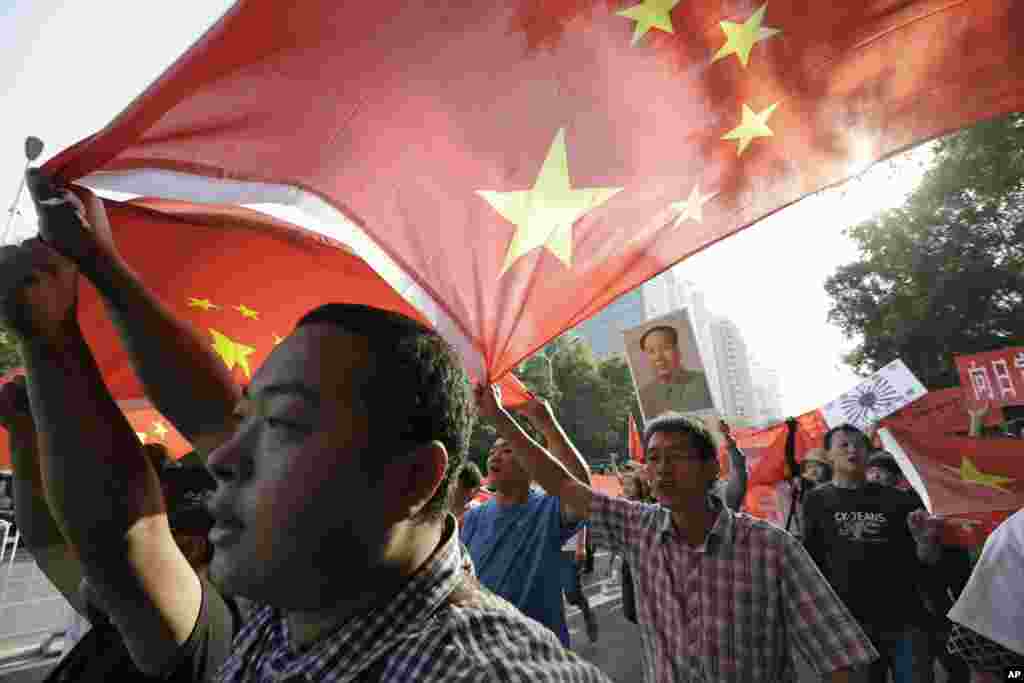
x,y
512,167
961,478
240,277
149,425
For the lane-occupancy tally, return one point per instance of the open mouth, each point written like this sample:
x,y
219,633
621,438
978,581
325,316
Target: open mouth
x,y
224,534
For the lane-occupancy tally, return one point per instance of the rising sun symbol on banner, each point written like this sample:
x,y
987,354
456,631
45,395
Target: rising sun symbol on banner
x,y
869,402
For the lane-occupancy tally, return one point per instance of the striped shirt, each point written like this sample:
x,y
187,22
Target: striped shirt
x,y
443,626
732,609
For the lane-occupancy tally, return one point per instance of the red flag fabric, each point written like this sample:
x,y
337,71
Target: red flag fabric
x,y
489,158
943,411
996,376
766,448
149,425
606,484
636,447
242,278
974,483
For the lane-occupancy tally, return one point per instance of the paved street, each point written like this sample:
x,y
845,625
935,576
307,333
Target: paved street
x,y
31,610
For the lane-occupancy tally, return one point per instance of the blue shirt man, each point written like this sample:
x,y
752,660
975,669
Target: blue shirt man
x,y
517,551
516,538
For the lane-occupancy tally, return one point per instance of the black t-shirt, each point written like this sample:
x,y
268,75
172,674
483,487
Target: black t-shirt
x,y
101,654
861,542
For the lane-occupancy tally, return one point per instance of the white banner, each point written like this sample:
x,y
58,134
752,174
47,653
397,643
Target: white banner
x,y
879,396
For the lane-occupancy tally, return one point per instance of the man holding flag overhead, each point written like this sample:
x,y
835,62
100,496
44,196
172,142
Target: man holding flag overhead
x,y
348,580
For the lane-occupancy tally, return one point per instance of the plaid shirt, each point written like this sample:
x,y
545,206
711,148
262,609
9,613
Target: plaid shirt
x,y
729,610
420,635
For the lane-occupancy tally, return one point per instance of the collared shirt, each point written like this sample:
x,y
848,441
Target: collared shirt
x,y
686,391
729,610
421,635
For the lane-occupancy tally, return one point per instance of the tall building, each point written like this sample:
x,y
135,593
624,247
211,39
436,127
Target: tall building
x,y
735,384
739,388
767,394
604,331
664,294
670,292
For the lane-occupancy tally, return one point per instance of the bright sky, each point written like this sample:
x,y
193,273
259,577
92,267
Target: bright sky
x,y
70,67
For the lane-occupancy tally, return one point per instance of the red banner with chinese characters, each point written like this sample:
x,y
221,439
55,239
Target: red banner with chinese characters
x,y
996,376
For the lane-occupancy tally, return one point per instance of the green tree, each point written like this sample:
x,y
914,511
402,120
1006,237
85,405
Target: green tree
x,y
9,356
944,272
591,399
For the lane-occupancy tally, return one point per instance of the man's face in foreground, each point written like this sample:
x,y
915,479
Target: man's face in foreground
x,y
663,354
300,500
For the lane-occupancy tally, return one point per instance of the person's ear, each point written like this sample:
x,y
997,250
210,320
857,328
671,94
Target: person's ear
x,y
415,478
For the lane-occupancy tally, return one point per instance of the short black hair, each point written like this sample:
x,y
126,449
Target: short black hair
x,y
849,429
671,331
417,390
470,476
884,460
677,423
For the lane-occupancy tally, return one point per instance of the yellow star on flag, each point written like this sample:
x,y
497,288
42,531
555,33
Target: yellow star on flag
x,y
970,473
142,436
277,340
544,215
247,312
752,126
692,208
201,303
650,14
232,352
741,38
159,430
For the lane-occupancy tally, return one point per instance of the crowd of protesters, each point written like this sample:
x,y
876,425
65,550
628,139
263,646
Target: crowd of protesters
x,y
331,531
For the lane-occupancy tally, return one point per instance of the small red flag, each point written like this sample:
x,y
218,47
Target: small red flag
x,y
636,448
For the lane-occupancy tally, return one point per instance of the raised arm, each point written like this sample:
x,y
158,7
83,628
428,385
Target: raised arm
x,y
977,415
39,530
545,469
182,376
542,416
736,487
104,495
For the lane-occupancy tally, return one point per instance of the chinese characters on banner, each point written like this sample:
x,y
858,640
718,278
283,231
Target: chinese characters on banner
x,y
996,376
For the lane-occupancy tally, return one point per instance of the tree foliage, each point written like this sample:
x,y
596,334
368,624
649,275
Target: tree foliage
x,y
592,400
944,272
9,357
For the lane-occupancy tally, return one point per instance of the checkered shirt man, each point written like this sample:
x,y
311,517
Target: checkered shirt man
x,y
729,610
421,635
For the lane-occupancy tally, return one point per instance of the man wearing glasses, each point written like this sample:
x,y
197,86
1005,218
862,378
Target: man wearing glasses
x,y
720,596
